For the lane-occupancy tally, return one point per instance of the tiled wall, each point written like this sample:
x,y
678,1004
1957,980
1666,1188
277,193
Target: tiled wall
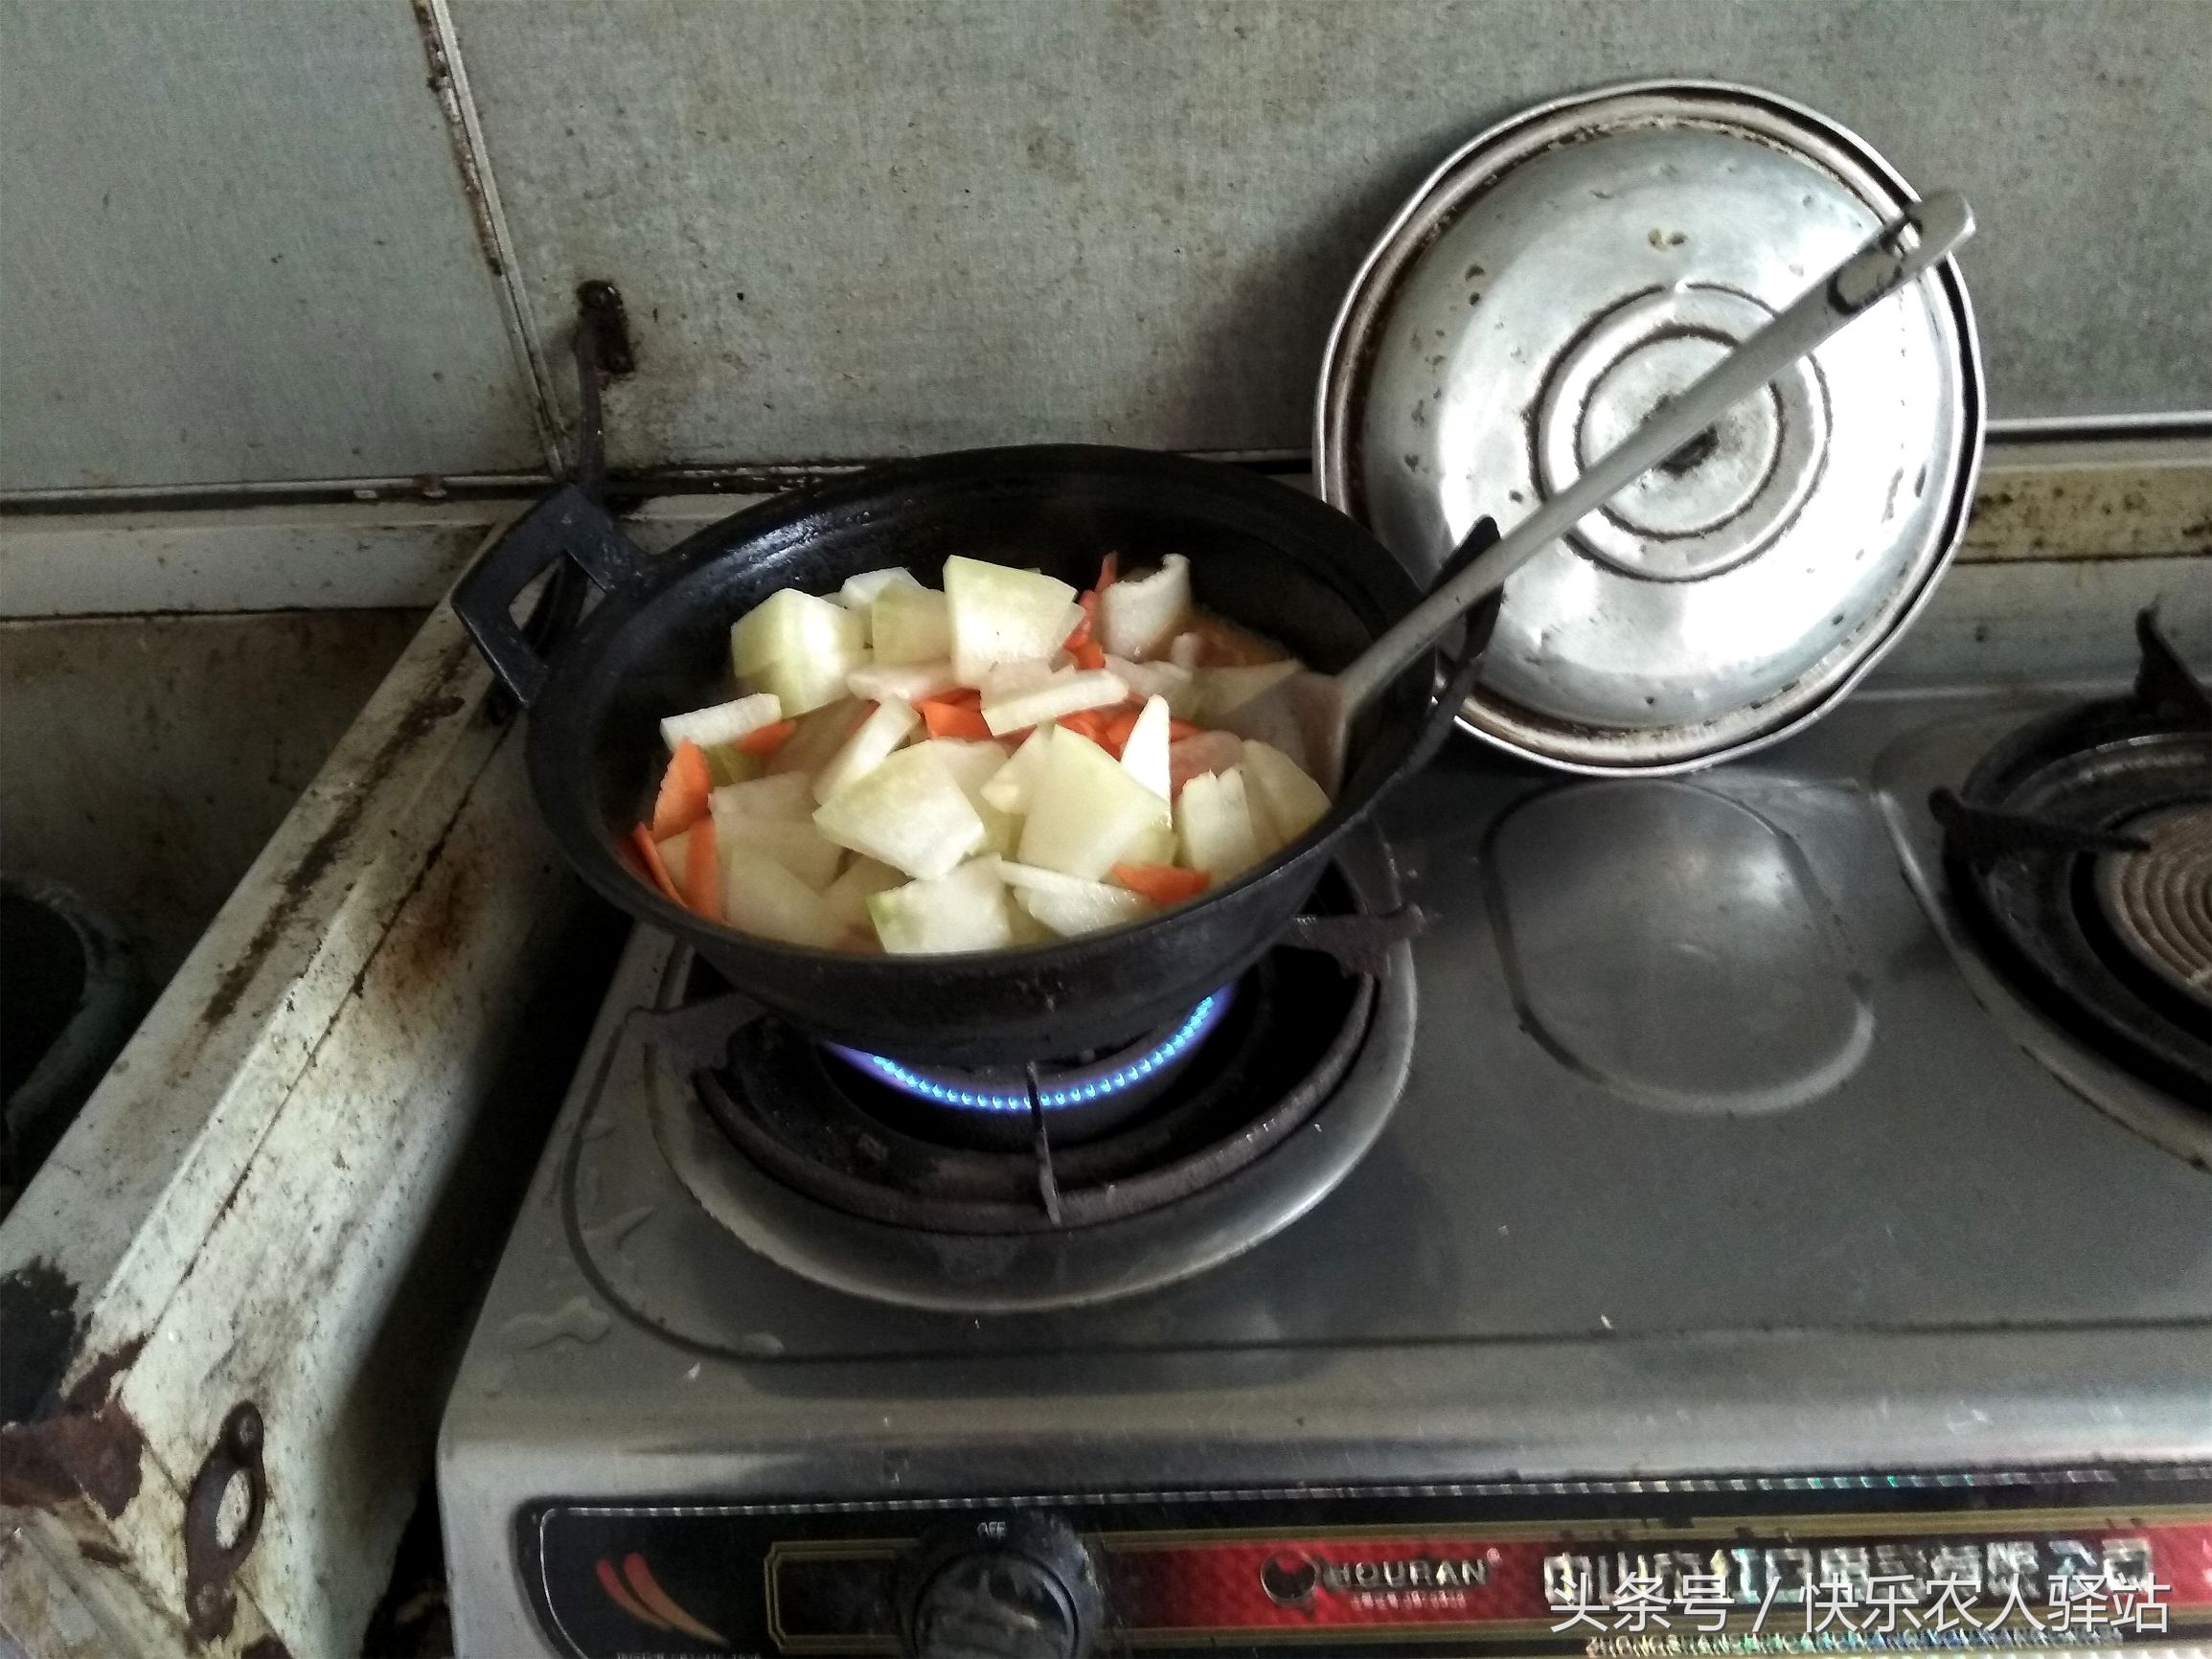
x,y
336,240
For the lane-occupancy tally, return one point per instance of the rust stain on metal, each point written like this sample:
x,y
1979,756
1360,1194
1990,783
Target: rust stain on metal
x,y
442,87
47,1465
82,1445
92,1390
324,853
2091,511
600,308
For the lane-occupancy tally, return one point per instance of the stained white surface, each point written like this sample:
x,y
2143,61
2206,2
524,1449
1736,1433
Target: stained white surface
x,y
272,1192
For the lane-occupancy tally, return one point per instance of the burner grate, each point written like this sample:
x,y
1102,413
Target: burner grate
x,y
2081,850
874,1150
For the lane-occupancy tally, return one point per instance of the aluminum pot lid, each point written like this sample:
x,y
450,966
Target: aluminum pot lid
x,y
1551,283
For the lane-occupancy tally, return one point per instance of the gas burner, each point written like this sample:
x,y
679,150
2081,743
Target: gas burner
x,y
1061,1183
1079,1097
894,1152
2081,850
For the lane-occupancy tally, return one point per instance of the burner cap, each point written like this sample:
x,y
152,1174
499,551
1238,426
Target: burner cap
x,y
2158,901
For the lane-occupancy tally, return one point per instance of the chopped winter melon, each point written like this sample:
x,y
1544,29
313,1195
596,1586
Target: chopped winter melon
x,y
1086,812
1011,787
910,624
1063,695
1274,784
807,683
972,761
858,594
1026,929
819,734
785,797
973,766
1004,616
848,896
1137,617
723,723
1214,823
963,910
727,766
1156,846
798,847
867,748
909,812
1160,679
1222,690
912,681
1145,753
1207,752
799,648
1008,680
760,896
1067,904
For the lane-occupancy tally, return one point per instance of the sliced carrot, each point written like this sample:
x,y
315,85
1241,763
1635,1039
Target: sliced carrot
x,y
951,720
655,866
684,788
1091,724
1109,571
703,871
1119,728
1164,884
765,739
954,715
1088,654
1179,730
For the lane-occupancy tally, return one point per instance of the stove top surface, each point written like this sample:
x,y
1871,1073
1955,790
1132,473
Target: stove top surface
x,y
1689,1054
1723,1157
1699,1065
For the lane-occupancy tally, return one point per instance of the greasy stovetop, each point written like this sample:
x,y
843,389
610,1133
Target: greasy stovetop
x,y
1691,1055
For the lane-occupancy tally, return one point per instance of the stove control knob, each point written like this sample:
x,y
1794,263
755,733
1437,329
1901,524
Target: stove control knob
x,y
1019,1586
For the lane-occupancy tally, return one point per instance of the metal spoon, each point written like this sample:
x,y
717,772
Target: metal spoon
x,y
1320,709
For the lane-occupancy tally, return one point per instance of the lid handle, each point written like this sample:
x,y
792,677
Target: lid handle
x,y
1906,248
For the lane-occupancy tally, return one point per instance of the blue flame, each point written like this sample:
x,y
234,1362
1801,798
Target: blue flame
x,y
1173,1047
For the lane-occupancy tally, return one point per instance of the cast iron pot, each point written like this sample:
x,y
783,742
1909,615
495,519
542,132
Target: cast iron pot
x,y
657,643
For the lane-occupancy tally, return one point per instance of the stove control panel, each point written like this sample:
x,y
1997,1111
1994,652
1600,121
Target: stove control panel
x,y
1992,1562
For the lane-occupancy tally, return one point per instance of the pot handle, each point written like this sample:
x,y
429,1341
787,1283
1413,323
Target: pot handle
x,y
1459,679
565,522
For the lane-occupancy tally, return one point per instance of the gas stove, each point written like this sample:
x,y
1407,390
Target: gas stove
x,y
1712,1231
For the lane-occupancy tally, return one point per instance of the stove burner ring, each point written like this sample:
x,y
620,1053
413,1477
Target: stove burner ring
x,y
2058,881
2158,903
1125,1076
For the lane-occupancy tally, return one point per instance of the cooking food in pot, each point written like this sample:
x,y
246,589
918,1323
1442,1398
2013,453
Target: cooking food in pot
x,y
998,763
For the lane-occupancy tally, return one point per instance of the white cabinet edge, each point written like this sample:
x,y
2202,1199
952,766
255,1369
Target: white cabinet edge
x,y
234,1214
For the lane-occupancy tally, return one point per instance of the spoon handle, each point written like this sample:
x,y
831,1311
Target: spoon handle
x,y
1897,254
